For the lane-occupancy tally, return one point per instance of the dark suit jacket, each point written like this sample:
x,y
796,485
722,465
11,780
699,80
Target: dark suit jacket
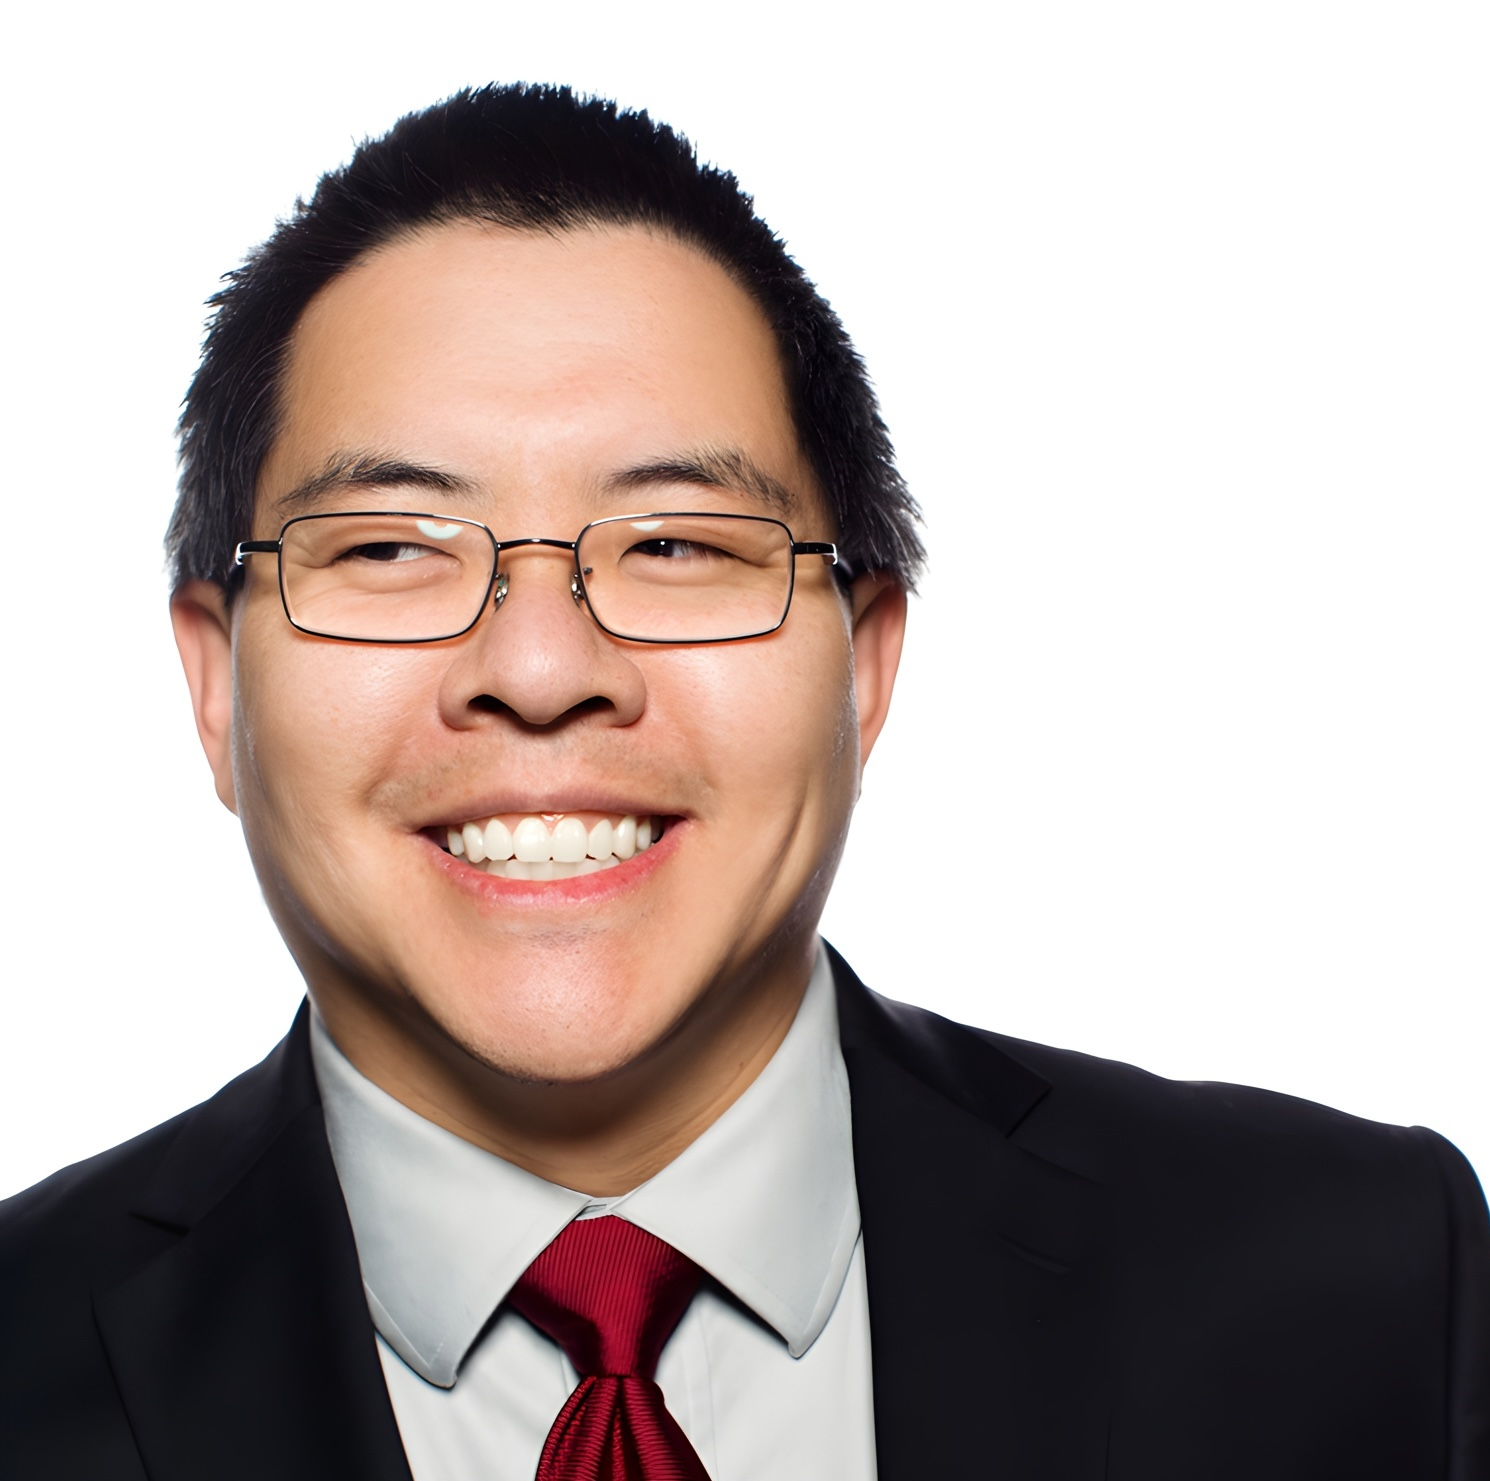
x,y
1076,1271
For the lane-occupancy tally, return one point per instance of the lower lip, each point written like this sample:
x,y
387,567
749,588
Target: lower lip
x,y
582,889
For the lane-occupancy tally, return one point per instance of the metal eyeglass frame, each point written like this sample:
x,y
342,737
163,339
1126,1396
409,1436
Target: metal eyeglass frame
x,y
496,588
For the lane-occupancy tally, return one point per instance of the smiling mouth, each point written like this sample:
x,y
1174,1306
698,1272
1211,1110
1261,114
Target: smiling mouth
x,y
551,845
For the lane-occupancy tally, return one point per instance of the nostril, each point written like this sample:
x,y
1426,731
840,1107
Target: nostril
x,y
489,704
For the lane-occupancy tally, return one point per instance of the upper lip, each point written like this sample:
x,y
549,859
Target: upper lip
x,y
495,805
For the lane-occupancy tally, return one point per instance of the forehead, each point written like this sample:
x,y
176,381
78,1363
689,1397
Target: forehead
x,y
541,364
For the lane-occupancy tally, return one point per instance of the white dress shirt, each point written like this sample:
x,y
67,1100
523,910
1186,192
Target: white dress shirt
x,y
768,1373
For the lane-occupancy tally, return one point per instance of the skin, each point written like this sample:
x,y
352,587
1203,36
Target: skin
x,y
586,1031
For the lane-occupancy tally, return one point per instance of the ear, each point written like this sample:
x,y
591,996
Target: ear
x,y
878,615
204,639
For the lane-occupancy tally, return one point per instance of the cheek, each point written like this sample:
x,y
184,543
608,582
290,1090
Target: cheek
x,y
317,725
772,724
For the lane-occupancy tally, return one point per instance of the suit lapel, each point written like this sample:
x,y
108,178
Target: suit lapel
x,y
244,1348
984,1261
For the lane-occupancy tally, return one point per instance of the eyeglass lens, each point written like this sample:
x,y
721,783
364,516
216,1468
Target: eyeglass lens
x,y
419,578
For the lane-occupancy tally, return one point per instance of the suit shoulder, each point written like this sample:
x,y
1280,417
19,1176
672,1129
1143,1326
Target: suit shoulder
x,y
1116,1122
87,1188
1138,1099
62,1241
80,1221
63,1210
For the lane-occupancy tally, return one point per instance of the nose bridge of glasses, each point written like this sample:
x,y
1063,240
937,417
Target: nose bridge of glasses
x,y
505,548
526,540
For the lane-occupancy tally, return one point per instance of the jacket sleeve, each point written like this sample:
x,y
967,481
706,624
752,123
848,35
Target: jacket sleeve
x,y
1468,1325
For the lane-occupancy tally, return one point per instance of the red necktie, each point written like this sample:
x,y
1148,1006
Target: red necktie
x,y
610,1295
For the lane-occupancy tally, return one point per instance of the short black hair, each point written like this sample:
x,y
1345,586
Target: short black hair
x,y
539,158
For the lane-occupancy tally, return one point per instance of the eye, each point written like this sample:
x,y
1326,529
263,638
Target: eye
x,y
386,551
677,550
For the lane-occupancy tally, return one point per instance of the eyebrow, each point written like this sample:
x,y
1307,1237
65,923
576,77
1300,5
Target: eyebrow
x,y
721,468
365,470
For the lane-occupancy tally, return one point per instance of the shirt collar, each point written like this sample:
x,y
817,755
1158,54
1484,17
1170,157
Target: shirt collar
x,y
764,1200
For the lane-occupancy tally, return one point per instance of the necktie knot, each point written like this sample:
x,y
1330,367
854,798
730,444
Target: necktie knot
x,y
609,1294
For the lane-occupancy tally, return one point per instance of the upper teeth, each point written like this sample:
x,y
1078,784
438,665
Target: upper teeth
x,y
529,848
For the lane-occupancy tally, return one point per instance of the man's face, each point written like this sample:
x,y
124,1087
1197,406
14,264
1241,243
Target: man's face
x,y
547,380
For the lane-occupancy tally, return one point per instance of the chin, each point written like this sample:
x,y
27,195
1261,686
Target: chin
x,y
551,1033
553,1059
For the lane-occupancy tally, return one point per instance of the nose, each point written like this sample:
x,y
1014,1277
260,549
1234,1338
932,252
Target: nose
x,y
537,655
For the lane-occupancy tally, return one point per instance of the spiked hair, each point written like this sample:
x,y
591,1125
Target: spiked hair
x,y
537,158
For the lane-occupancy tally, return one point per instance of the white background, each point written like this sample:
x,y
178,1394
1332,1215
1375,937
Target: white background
x,y
1180,314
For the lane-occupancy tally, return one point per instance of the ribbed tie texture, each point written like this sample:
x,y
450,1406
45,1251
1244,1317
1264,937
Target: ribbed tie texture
x,y
610,1295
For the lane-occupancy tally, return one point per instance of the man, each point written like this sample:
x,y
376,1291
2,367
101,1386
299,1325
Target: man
x,y
540,580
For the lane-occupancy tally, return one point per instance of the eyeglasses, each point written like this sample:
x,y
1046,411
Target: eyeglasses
x,y
647,578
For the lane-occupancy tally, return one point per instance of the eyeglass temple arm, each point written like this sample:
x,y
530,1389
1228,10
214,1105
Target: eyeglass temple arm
x,y
816,547
253,547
